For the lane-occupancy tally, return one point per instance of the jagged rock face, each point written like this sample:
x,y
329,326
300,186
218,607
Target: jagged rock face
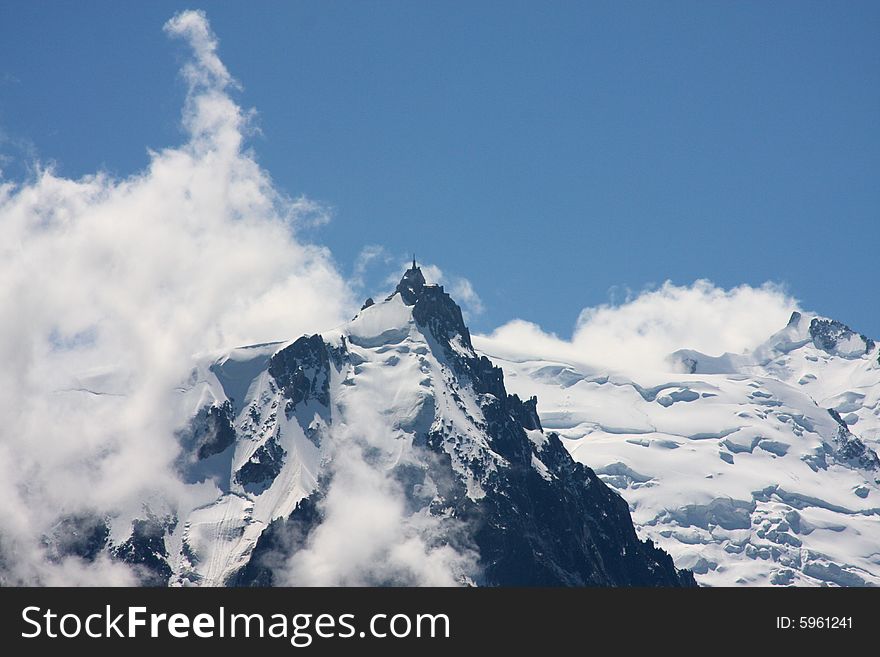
x,y
218,432
570,530
544,527
301,371
263,466
434,310
283,536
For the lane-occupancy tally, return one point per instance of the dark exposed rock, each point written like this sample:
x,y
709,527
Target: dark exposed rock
x,y
570,530
145,550
435,310
850,448
212,430
278,541
262,467
827,333
81,535
204,441
527,413
302,371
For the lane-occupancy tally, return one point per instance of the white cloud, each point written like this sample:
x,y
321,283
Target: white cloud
x,y
205,72
368,536
641,332
107,288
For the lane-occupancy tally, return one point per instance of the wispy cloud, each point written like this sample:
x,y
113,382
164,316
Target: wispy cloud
x,y
369,256
462,291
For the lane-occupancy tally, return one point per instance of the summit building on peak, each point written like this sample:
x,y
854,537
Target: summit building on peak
x,y
411,285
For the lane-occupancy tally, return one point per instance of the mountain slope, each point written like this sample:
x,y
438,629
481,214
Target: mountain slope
x,y
394,408
751,469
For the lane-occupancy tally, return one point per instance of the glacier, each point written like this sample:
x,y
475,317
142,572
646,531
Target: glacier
x,y
750,469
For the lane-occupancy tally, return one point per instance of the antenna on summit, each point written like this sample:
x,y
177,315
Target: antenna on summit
x,y
414,261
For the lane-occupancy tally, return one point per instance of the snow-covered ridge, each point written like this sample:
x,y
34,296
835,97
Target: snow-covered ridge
x,y
754,469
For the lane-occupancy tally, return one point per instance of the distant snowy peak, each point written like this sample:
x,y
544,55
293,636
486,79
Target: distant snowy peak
x,y
828,336
838,339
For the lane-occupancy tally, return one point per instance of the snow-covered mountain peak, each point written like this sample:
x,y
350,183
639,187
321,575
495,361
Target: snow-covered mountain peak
x,y
838,339
808,336
395,415
830,336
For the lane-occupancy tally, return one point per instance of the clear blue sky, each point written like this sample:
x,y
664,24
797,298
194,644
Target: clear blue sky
x,y
548,151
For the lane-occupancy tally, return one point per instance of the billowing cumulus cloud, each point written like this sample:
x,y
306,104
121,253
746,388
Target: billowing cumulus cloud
x,y
641,332
108,286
